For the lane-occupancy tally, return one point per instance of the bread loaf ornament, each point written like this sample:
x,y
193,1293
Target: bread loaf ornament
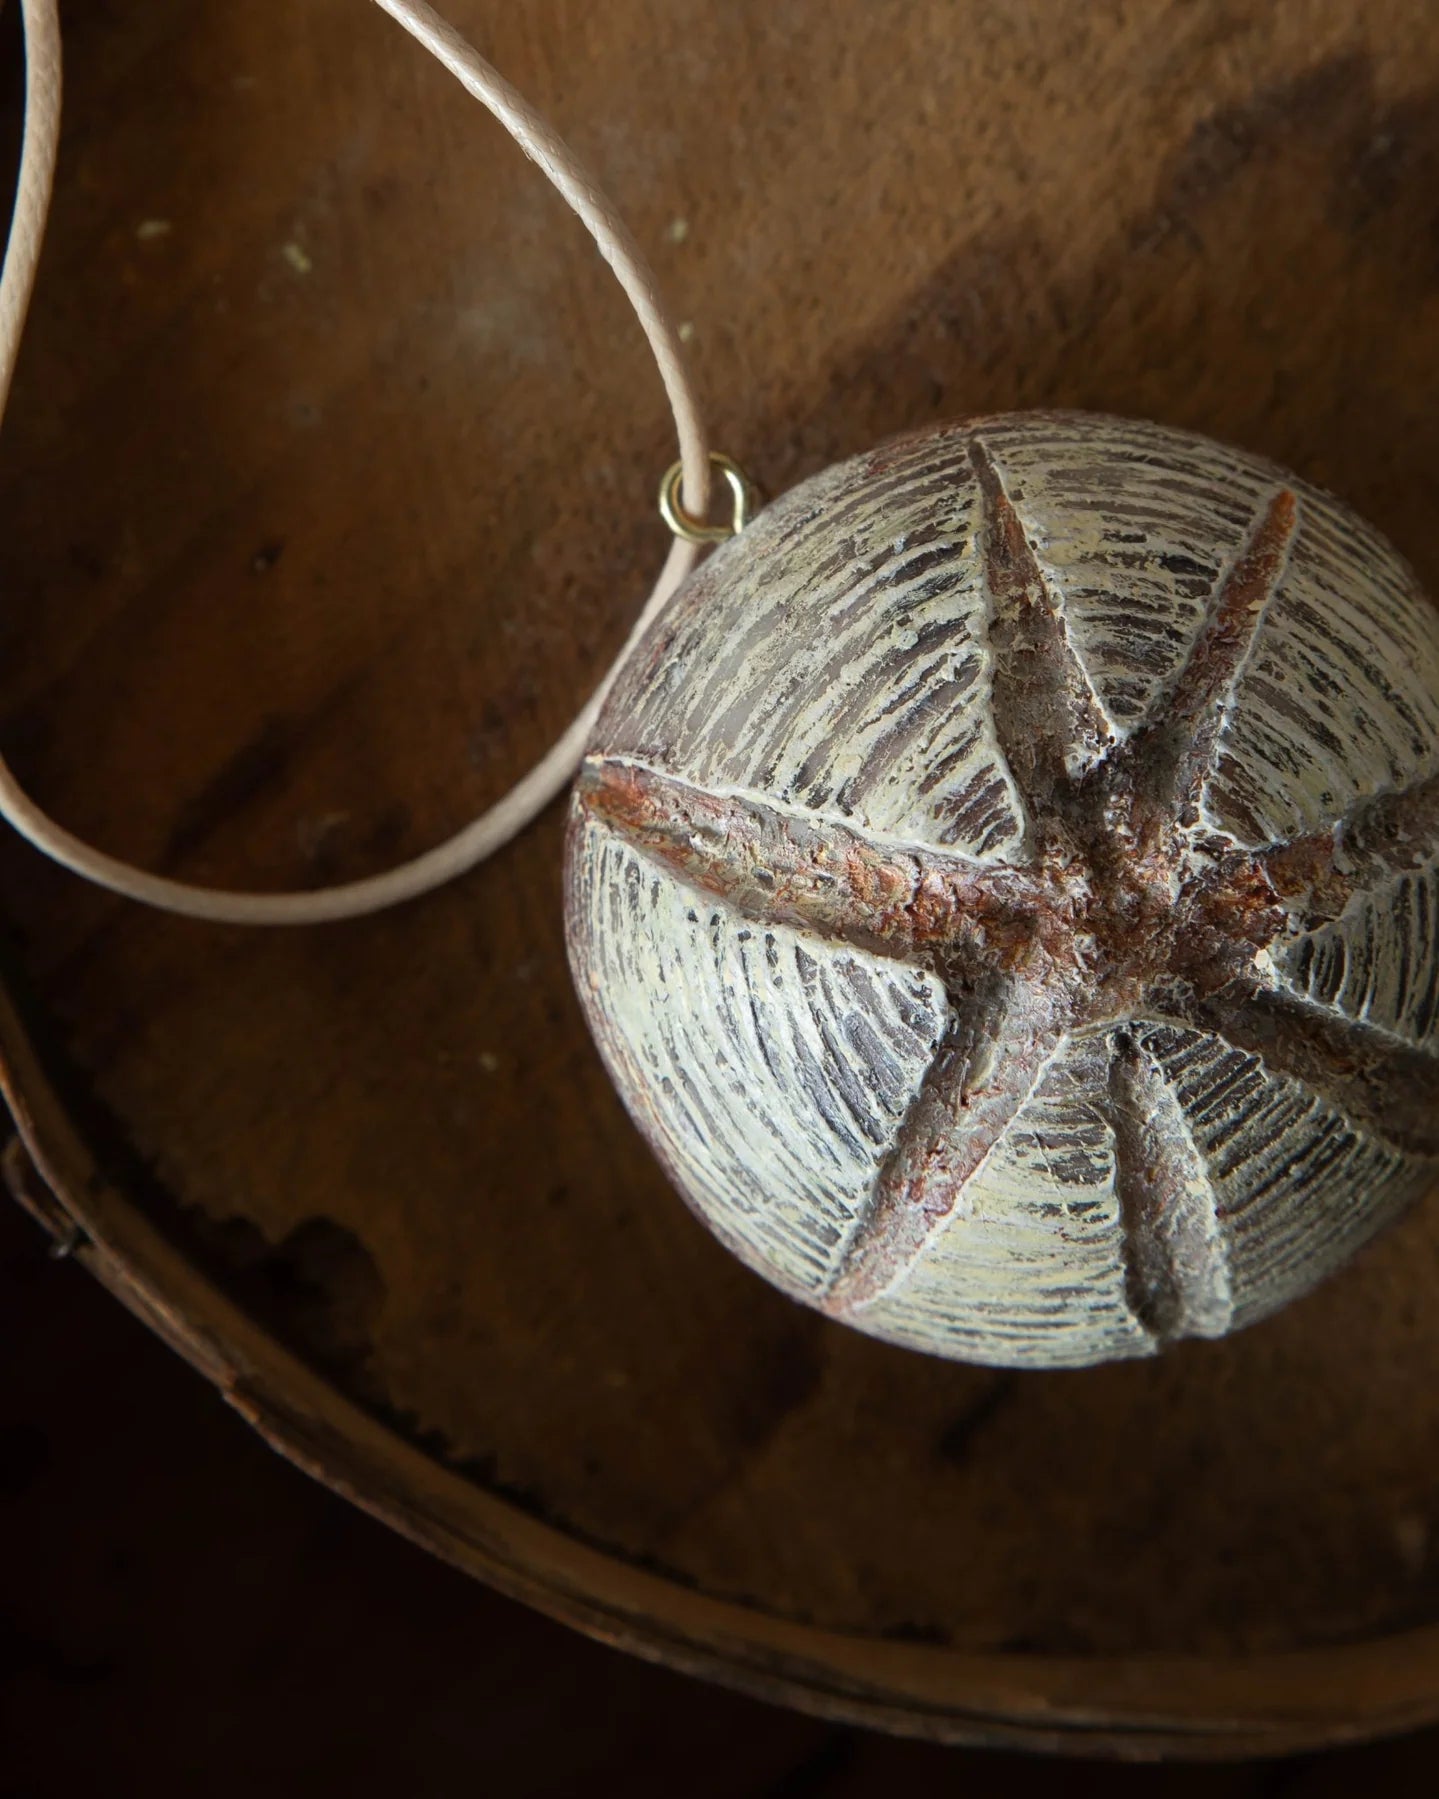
x,y
1002,887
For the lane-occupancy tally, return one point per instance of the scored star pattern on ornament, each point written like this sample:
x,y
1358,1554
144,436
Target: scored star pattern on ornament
x,y
1126,912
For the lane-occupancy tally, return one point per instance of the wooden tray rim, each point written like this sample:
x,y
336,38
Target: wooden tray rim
x,y
1147,1707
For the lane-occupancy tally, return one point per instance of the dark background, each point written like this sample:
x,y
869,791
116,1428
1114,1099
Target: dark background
x,y
181,1612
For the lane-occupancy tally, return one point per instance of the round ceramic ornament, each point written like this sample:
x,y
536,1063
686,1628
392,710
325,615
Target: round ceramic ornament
x,y
1002,886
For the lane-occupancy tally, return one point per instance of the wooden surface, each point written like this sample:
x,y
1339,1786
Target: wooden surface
x,y
326,489
223,1625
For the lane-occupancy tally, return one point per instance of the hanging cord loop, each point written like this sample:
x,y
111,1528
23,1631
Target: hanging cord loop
x,y
494,828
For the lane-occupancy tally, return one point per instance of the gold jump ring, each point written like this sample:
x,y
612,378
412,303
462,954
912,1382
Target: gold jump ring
x,y
695,530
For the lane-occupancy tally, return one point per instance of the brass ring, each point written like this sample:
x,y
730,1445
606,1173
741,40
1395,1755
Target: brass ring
x,y
694,530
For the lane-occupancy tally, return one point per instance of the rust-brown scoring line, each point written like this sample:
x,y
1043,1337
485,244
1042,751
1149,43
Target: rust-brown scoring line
x,y
1046,714
1173,753
990,1062
1377,1080
776,866
1176,1283
1392,834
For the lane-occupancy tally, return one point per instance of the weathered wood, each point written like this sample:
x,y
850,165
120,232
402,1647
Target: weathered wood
x,y
306,556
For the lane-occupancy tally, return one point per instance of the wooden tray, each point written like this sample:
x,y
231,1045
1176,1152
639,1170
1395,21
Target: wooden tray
x,y
326,490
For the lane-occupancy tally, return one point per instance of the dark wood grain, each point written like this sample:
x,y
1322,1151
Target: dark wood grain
x,y
224,1622
322,507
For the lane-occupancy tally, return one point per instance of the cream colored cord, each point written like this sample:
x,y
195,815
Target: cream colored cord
x,y
503,820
